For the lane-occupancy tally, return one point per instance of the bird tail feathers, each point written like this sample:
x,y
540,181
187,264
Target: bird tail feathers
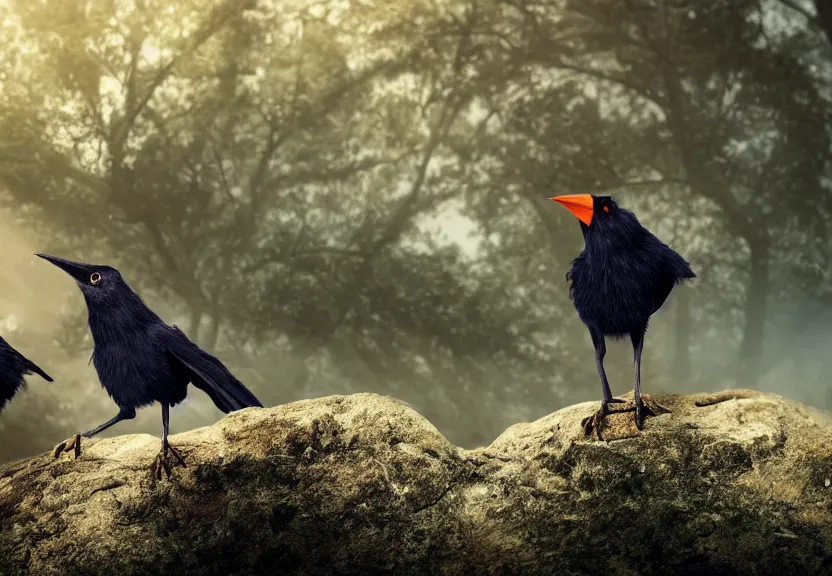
x,y
212,377
32,368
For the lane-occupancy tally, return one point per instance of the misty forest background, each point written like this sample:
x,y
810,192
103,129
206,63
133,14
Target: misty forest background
x,y
349,196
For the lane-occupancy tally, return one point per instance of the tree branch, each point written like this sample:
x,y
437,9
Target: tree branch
x,y
134,105
811,18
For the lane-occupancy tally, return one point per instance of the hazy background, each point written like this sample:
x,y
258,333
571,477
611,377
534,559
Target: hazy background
x,y
345,196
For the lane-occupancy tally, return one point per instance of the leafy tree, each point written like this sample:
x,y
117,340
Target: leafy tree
x,y
270,174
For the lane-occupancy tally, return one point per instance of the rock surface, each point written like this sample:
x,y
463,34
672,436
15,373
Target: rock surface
x,y
734,483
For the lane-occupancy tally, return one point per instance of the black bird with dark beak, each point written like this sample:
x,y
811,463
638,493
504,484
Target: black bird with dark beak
x,y
621,278
13,367
141,360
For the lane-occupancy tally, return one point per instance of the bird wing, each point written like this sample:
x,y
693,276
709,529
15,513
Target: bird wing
x,y
573,276
25,365
13,366
660,294
668,272
209,374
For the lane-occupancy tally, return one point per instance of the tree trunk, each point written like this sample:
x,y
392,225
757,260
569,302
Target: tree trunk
x,y
210,343
195,322
756,306
824,10
744,220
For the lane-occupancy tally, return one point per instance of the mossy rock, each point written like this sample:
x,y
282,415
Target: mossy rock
x,y
734,483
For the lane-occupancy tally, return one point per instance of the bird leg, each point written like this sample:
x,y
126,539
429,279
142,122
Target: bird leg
x,y
638,345
594,422
162,463
74,443
642,409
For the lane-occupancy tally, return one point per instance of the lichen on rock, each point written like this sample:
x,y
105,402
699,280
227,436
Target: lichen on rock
x,y
732,483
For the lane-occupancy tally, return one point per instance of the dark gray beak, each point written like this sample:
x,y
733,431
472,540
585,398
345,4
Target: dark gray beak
x,y
79,271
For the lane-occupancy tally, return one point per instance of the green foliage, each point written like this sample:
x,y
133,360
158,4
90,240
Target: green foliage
x,y
268,171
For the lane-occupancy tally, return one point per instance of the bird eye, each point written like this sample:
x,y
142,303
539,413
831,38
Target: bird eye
x,y
95,279
606,208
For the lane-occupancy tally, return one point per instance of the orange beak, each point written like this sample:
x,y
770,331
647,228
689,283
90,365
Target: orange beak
x,y
579,204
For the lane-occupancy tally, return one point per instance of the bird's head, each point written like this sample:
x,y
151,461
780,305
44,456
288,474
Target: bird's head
x,y
98,282
599,214
590,210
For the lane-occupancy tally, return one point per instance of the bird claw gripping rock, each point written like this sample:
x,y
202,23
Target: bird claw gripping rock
x,y
163,463
620,427
73,444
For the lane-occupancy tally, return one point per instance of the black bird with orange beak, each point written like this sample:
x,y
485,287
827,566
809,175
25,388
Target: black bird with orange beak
x,y
621,278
